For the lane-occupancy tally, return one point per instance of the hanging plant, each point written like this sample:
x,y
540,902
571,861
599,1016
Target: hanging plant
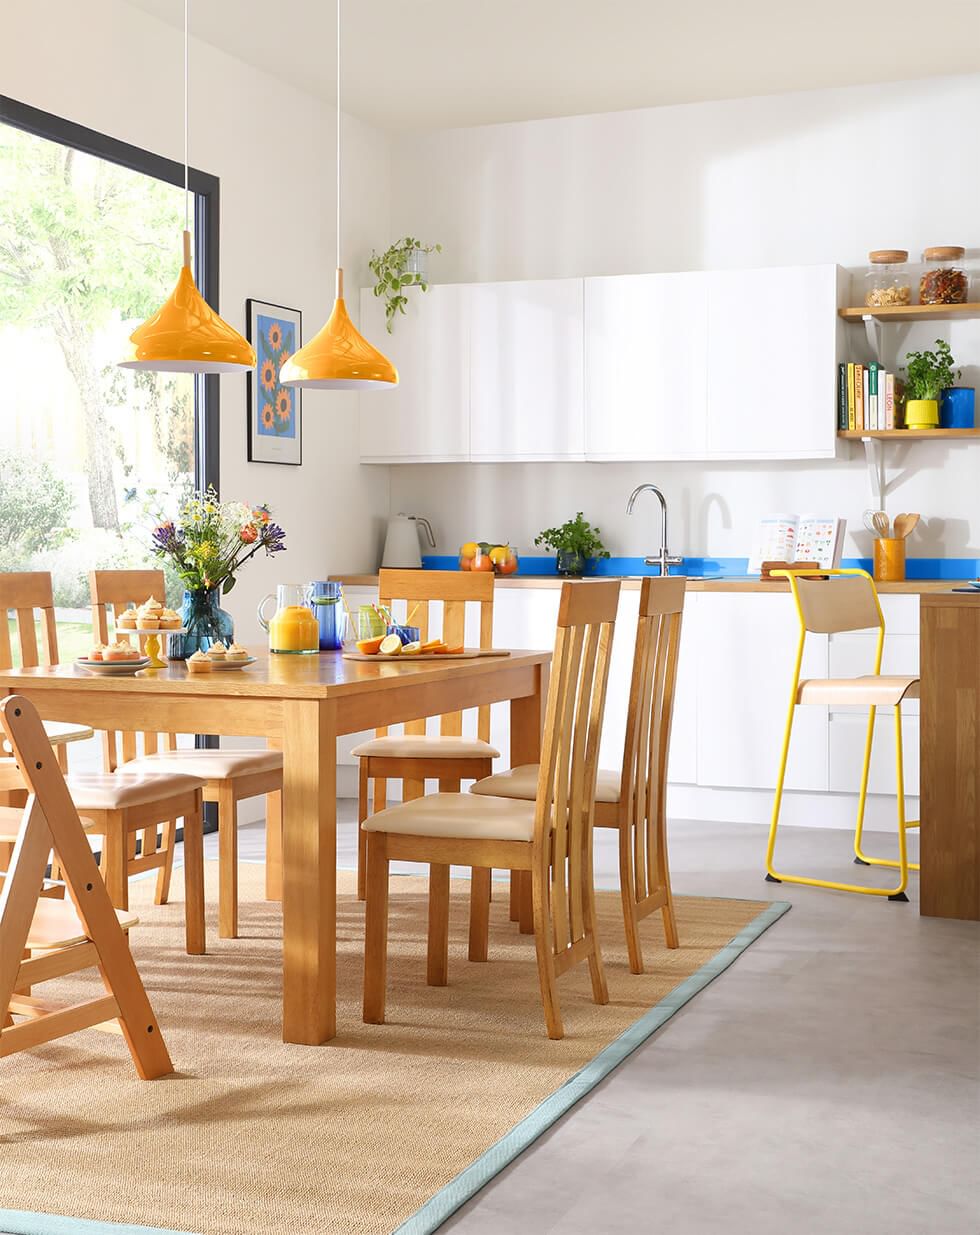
x,y
400,267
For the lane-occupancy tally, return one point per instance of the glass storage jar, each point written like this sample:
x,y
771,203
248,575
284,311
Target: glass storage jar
x,y
944,281
887,282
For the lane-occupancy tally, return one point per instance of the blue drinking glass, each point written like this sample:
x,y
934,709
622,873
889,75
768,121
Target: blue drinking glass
x,y
326,601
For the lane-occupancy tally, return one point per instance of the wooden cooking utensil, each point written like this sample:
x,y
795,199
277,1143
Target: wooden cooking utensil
x,y
881,524
904,524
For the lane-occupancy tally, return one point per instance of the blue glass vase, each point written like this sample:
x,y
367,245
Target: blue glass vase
x,y
205,622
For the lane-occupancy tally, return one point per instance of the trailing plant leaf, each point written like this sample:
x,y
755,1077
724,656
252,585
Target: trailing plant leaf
x,y
391,274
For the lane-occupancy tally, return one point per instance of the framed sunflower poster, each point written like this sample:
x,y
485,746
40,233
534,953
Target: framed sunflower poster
x,y
275,412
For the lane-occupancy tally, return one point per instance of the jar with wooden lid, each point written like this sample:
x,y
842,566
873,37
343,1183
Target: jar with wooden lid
x,y
887,282
944,281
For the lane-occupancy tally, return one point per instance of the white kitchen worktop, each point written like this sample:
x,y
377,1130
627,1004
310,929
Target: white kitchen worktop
x,y
908,587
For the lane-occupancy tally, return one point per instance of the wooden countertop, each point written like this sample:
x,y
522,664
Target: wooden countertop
x,y
910,587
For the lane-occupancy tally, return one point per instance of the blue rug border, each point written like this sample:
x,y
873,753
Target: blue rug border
x,y
512,1144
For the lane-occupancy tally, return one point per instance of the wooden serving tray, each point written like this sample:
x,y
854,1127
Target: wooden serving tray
x,y
466,654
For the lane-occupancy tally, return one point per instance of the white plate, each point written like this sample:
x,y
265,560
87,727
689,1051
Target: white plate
x,y
157,630
223,666
113,668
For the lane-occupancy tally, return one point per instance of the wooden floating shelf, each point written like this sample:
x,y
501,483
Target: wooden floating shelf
x,y
909,435
911,312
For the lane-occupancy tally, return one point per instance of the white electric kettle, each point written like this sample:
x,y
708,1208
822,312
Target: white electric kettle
x,y
402,542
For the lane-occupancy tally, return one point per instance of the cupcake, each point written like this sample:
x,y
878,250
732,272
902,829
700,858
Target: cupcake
x,y
236,652
217,651
170,619
148,615
199,663
120,650
127,619
96,652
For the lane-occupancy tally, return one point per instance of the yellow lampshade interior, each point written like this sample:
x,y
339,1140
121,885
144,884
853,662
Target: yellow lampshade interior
x,y
338,357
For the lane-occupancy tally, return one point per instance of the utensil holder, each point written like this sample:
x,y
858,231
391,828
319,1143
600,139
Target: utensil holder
x,y
889,559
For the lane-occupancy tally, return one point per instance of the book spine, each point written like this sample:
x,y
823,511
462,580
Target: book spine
x,y
866,396
850,395
889,400
873,395
859,396
842,396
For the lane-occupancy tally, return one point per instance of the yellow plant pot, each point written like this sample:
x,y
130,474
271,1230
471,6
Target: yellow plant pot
x,y
922,414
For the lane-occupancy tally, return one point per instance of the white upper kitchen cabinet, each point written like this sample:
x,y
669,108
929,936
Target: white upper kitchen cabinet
x,y
527,370
646,357
772,363
425,418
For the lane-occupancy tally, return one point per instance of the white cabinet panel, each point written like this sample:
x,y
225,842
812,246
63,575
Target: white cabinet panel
x,y
426,416
645,366
522,618
526,370
746,649
847,736
852,654
772,352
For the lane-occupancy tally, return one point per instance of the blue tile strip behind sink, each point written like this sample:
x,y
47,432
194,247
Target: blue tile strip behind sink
x,y
722,567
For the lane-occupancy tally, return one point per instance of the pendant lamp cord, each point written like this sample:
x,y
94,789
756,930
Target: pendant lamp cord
x,y
187,196
339,263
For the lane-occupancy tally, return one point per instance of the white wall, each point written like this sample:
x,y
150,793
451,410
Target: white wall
x,y
821,176
110,67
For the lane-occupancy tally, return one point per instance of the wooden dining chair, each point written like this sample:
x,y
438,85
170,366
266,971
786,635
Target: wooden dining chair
x,y
117,807
416,755
230,775
43,938
633,799
551,836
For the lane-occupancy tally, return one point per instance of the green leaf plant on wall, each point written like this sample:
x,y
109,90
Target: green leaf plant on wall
x,y
397,269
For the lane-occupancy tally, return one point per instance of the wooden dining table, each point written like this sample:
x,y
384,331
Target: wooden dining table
x,y
301,704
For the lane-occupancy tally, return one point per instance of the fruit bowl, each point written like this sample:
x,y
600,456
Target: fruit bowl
x,y
482,555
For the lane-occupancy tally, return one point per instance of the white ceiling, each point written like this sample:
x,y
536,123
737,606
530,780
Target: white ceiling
x,y
424,64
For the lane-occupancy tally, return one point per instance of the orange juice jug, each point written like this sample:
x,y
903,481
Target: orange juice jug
x,y
292,629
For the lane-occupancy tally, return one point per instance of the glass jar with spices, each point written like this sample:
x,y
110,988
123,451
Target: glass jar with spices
x,y
944,281
887,282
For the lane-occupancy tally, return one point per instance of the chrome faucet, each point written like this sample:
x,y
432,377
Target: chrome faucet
x,y
664,560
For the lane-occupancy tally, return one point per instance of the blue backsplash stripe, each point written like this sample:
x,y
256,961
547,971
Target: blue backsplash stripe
x,y
723,567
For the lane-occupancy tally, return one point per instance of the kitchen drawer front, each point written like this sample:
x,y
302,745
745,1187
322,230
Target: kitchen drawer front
x,y
847,736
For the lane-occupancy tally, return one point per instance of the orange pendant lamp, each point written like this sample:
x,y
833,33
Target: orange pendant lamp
x,y
338,357
185,335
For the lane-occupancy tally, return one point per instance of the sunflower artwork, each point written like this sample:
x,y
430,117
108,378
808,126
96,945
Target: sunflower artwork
x,y
274,411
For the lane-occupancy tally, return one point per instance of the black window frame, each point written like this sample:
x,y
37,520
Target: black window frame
x,y
206,201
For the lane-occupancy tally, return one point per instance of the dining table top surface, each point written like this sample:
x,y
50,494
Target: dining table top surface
x,y
321,675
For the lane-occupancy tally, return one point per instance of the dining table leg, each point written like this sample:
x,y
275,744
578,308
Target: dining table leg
x,y
526,725
309,871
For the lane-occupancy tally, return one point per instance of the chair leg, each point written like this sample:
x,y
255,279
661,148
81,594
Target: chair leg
x,y
376,930
194,880
864,859
480,913
771,876
227,862
515,896
437,953
362,814
859,857
115,859
597,972
273,846
630,923
903,856
544,947
670,920
164,874
527,904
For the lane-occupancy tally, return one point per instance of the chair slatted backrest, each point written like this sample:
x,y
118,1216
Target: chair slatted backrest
x,y
648,720
565,800
119,590
455,589
29,595
830,602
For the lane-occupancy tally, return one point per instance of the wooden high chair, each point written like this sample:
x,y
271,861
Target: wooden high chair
x,y
229,775
847,600
116,806
59,937
414,756
633,799
550,837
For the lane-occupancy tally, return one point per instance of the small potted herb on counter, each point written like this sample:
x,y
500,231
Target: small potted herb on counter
x,y
576,543
927,375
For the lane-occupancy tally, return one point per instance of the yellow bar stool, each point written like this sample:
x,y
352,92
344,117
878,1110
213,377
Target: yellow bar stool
x,y
847,600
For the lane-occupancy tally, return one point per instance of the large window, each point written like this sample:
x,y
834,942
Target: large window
x,y
90,453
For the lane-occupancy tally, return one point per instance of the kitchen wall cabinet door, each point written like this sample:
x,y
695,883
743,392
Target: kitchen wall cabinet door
x,y
527,370
646,349
746,645
425,418
772,363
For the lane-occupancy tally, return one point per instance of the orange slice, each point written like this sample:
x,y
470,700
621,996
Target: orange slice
x,y
369,647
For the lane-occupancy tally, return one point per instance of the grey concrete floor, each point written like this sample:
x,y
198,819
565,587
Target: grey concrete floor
x,y
826,1084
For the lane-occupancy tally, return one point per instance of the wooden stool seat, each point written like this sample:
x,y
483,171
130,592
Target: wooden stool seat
x,y
870,690
57,925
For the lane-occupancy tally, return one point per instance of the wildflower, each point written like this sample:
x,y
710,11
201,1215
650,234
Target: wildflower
x,y
249,534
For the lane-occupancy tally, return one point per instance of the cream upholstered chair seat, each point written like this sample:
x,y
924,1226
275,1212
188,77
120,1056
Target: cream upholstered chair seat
x,y
117,790
871,690
522,783
455,815
209,764
424,746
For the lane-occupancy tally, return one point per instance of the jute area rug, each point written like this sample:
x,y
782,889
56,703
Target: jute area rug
x,y
387,1127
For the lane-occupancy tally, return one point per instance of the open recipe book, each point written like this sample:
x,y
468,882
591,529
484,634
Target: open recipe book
x,y
798,538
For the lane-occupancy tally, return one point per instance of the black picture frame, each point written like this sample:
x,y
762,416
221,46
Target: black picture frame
x,y
266,401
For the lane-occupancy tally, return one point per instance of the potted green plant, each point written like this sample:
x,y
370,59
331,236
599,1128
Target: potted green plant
x,y
397,268
927,375
577,545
